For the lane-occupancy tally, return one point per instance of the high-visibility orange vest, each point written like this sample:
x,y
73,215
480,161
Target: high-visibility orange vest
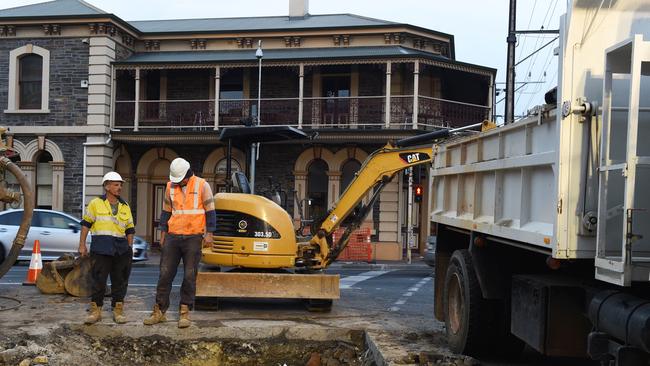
x,y
188,213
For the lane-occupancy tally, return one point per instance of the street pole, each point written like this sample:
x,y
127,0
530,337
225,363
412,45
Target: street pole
x,y
510,72
254,146
409,216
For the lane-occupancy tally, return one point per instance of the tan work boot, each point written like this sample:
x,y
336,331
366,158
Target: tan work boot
x,y
156,317
184,318
118,313
95,314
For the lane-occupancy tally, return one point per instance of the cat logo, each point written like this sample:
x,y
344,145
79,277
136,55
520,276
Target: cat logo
x,y
412,158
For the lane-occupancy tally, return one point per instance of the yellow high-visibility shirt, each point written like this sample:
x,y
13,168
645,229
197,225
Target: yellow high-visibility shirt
x,y
108,231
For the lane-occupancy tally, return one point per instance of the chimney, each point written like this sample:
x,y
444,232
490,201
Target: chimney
x,y
298,8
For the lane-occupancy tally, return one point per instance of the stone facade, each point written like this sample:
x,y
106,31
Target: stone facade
x,y
68,67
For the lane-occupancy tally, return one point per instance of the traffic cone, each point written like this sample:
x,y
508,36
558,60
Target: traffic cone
x,y
35,265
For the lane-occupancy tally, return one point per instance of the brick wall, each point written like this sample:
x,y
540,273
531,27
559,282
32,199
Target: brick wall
x,y
72,148
189,84
68,67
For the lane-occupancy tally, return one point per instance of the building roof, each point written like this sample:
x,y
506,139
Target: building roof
x,y
82,9
257,23
289,54
52,8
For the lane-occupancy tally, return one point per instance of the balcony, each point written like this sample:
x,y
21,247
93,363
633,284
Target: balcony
x,y
363,112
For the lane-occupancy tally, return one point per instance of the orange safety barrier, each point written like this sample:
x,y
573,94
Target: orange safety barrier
x,y
358,248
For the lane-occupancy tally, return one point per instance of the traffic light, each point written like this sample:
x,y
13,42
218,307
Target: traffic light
x,y
417,192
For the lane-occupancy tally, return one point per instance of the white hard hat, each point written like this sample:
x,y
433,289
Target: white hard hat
x,y
177,170
112,177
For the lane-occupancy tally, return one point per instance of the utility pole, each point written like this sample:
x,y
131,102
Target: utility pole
x,y
510,73
256,145
409,216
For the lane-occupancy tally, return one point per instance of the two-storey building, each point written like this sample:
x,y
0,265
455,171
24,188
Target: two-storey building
x,y
84,92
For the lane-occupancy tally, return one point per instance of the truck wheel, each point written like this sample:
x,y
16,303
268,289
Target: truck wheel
x,y
463,301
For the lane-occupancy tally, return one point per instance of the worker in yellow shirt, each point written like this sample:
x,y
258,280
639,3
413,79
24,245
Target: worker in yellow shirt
x,y
108,219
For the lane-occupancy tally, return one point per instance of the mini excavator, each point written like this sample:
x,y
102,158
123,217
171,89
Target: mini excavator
x,y
256,237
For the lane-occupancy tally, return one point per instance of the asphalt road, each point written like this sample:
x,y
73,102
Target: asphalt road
x,y
404,293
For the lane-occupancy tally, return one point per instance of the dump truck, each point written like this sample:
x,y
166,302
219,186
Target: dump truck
x,y
543,225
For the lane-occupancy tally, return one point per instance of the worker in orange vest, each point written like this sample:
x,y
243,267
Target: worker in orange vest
x,y
188,217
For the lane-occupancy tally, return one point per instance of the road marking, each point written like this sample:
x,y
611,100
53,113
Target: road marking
x,y
147,285
348,282
409,293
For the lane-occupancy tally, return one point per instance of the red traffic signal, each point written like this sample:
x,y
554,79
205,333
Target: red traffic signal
x,y
417,192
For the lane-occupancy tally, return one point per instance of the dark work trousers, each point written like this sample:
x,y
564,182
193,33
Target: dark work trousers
x,y
119,267
175,248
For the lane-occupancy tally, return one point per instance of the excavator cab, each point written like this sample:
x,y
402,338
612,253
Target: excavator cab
x,y
241,182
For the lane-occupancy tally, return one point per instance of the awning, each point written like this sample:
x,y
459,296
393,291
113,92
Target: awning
x,y
261,134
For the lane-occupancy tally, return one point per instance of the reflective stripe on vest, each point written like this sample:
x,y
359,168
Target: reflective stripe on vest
x,y
188,213
99,213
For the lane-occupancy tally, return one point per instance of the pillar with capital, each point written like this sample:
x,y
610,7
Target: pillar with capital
x,y
58,168
143,225
300,186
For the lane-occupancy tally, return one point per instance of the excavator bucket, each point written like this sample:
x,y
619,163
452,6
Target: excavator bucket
x,y
51,280
79,281
66,275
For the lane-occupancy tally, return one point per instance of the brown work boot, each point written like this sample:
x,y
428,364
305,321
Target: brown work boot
x,y
118,313
95,314
184,318
156,317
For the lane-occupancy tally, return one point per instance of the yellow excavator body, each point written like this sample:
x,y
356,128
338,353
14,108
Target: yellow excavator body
x,y
252,232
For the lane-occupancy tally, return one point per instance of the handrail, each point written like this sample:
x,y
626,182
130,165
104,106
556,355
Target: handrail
x,y
455,102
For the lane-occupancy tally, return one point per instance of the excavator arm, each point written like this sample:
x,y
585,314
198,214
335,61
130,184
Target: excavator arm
x,y
378,169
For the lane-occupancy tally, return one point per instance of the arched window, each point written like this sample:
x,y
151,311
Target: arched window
x,y
30,81
349,169
44,181
317,188
234,166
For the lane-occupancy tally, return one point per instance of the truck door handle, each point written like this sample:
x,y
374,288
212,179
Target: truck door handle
x,y
45,233
3,230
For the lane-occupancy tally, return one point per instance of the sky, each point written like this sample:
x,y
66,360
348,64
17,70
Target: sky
x,y
479,27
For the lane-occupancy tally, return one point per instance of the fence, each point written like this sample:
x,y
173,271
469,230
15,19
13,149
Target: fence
x,y
358,249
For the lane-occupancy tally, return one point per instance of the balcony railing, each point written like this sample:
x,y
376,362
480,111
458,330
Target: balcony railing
x,y
363,112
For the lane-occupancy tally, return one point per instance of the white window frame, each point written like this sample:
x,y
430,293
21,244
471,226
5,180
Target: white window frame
x,y
13,103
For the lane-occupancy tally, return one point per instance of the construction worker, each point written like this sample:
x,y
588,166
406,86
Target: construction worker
x,y
108,219
188,217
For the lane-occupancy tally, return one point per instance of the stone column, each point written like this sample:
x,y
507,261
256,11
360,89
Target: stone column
x,y
28,168
143,221
300,186
99,160
334,187
136,116
389,213
416,92
301,93
217,91
100,80
389,67
58,168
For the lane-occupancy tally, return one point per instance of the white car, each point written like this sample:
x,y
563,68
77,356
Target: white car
x,y
57,233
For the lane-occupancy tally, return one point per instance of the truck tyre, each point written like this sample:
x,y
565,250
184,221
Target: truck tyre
x,y
463,301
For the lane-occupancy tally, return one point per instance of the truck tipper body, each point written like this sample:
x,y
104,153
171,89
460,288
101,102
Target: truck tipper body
x,y
543,225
